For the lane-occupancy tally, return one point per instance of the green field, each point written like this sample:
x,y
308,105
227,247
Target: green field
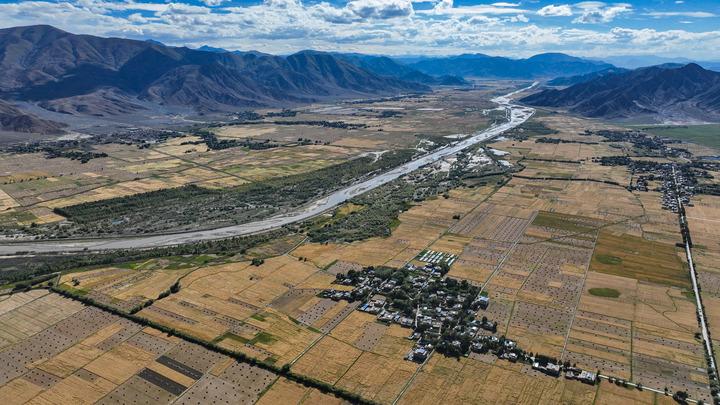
x,y
604,292
634,257
707,135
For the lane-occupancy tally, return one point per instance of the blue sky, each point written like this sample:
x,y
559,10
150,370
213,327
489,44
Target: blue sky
x,y
689,28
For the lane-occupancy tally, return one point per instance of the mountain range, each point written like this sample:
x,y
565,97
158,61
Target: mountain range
x,y
639,61
43,64
571,80
60,74
385,66
542,66
665,93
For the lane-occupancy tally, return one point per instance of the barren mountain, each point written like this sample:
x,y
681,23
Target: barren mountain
x,y
15,120
42,64
660,93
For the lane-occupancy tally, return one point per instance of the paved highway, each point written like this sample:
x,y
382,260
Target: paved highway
x,y
518,115
702,319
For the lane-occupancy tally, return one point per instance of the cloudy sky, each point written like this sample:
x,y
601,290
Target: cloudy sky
x,y
689,28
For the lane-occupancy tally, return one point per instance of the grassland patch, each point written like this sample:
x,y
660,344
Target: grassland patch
x,y
562,222
635,257
609,259
604,292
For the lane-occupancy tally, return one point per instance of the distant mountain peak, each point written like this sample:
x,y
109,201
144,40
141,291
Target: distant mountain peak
x,y
547,65
208,48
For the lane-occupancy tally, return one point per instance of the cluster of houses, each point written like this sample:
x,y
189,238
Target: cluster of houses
x,y
647,171
442,313
649,144
677,184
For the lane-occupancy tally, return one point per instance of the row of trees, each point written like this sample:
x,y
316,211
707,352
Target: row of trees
x,y
22,268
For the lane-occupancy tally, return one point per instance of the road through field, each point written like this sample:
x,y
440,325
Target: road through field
x,y
518,114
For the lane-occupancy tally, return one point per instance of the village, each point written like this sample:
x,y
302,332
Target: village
x,y
676,181
445,315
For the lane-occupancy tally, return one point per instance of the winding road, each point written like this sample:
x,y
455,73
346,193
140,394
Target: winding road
x,y
518,115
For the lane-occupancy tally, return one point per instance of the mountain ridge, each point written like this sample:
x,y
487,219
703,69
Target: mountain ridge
x,y
547,65
662,93
42,63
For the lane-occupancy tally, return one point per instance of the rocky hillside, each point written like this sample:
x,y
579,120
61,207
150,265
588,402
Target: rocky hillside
x,y
665,93
42,63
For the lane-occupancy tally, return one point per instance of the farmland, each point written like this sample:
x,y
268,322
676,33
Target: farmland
x,y
579,266
41,185
706,135
78,354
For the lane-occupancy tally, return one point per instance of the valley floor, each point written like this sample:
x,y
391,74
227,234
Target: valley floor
x,y
577,267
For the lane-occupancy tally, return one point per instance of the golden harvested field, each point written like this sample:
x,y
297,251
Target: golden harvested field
x,y
6,202
231,304
328,360
89,356
633,329
613,394
419,227
133,283
24,315
579,270
284,391
362,356
452,381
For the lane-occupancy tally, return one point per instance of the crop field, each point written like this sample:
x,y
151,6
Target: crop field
x,y
703,217
644,333
418,229
635,257
129,286
466,380
269,311
363,356
706,135
579,270
238,305
284,391
84,356
316,137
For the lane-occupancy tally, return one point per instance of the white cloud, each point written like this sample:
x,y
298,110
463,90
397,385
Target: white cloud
x,y
520,18
692,14
505,4
381,9
213,3
369,26
596,12
447,7
563,10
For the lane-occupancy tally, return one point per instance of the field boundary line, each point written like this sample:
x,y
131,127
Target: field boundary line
x,y
577,301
